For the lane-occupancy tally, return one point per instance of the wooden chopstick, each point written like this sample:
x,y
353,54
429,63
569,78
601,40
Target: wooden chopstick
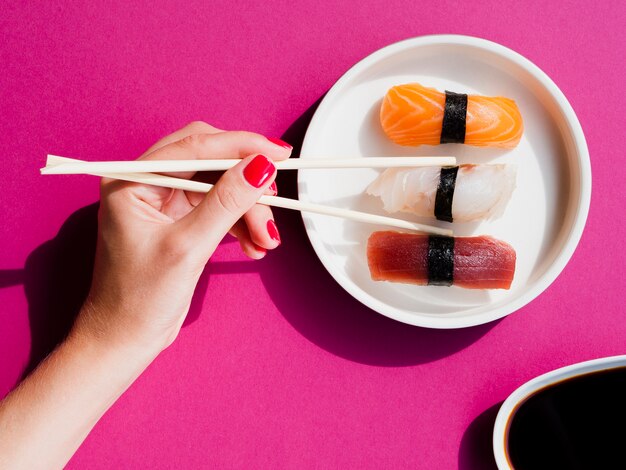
x,y
169,166
274,201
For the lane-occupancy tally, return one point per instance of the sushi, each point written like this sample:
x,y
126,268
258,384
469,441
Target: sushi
x,y
414,115
470,262
462,193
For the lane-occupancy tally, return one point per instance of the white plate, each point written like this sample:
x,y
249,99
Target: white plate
x,y
543,221
501,426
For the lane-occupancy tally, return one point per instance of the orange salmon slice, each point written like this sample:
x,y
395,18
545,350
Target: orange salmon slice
x,y
412,115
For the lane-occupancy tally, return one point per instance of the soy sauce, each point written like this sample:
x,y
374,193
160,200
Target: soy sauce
x,y
579,423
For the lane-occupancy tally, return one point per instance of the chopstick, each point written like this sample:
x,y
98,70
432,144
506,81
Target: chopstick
x,y
163,166
274,201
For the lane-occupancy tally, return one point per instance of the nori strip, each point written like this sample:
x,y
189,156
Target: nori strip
x,y
445,193
440,260
454,115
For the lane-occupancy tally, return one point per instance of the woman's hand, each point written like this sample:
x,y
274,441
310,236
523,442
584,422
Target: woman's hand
x,y
153,242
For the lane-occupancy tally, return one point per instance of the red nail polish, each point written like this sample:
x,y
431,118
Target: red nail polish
x,y
258,171
273,188
272,230
279,142
260,249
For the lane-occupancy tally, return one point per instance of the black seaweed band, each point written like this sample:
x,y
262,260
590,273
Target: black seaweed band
x,y
445,193
454,115
440,260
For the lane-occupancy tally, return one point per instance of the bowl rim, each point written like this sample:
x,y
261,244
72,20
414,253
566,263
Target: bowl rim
x,y
530,387
584,197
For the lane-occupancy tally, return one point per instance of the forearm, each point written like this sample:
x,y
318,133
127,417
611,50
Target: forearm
x,y
45,419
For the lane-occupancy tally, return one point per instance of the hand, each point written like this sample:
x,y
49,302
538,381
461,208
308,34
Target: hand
x,y
153,242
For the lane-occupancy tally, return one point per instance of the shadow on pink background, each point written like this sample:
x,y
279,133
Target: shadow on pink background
x,y
278,366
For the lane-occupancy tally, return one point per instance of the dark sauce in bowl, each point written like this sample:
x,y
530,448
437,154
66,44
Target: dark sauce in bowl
x,y
577,423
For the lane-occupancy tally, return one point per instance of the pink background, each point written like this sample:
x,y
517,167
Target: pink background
x,y
278,366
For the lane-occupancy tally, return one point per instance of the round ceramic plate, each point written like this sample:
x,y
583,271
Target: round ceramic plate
x,y
543,220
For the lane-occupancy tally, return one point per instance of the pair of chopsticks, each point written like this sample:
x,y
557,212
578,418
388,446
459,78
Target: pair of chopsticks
x,y
143,171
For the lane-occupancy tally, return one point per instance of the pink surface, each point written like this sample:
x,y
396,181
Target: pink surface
x,y
278,366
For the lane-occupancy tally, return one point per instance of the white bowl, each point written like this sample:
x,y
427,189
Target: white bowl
x,y
543,221
503,420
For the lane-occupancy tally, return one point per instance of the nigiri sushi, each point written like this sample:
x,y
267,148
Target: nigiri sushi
x,y
470,262
462,193
414,115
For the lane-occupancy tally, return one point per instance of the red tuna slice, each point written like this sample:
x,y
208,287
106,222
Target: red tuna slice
x,y
479,262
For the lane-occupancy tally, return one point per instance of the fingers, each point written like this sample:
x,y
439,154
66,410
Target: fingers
x,y
195,198
255,232
261,226
195,127
235,193
231,144
250,249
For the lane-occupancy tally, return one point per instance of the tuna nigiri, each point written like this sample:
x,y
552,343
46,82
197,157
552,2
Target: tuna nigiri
x,y
464,193
470,262
413,115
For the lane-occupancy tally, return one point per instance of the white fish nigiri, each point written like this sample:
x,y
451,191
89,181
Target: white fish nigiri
x,y
479,192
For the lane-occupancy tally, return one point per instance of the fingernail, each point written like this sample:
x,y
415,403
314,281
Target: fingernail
x,y
279,142
258,171
272,230
273,188
260,250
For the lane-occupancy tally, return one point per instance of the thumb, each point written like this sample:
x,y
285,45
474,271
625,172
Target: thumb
x,y
232,196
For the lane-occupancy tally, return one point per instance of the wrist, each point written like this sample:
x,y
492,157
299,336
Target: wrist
x,y
98,330
126,360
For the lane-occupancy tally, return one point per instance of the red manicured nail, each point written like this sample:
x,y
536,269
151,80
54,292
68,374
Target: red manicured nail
x,y
258,171
273,188
282,143
272,230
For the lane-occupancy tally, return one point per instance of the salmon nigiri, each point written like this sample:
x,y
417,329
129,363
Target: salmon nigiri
x,y
414,115
470,262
